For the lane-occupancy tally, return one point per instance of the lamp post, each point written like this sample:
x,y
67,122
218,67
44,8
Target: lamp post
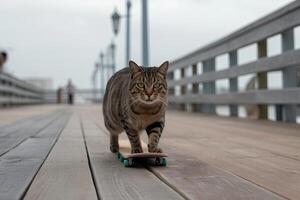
x,y
145,46
116,26
94,78
128,4
102,71
113,56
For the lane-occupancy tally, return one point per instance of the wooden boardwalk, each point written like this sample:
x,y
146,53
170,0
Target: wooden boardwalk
x,y
60,152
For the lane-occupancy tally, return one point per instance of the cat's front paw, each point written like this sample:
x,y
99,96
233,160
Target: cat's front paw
x,y
114,148
137,150
154,149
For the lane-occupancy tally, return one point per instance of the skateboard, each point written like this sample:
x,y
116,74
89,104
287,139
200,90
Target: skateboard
x,y
130,159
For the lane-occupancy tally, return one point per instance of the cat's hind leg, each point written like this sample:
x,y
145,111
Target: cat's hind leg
x,y
154,132
114,142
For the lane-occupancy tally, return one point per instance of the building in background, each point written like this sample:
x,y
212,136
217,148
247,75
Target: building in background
x,y
43,83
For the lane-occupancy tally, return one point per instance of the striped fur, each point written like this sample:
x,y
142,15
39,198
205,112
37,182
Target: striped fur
x,y
135,99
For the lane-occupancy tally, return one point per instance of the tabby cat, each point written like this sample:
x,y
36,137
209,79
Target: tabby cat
x,y
135,99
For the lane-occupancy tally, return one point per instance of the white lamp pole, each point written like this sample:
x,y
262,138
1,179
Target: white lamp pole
x,y
145,46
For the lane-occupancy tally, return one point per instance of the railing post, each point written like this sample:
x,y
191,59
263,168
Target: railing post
x,y
170,77
195,87
290,77
209,87
262,78
183,87
233,82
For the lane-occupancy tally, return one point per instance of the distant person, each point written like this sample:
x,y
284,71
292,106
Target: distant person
x,y
70,91
3,59
59,95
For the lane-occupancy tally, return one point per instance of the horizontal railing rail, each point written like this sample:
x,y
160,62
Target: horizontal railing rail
x,y
198,91
275,23
286,96
14,91
275,63
90,95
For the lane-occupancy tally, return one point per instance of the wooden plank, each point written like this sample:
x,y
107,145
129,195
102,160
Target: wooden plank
x,y
264,153
65,174
25,123
10,138
198,180
14,114
18,124
280,138
19,166
15,117
261,152
252,150
113,180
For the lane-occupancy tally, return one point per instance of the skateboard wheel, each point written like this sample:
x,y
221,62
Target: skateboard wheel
x,y
120,157
157,161
163,162
126,163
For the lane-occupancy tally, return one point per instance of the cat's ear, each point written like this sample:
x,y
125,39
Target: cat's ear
x,y
163,68
134,68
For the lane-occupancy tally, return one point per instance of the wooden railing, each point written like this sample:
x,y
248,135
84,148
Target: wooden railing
x,y
191,97
14,91
88,95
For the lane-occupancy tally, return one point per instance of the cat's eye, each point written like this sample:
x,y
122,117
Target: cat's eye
x,y
141,85
156,85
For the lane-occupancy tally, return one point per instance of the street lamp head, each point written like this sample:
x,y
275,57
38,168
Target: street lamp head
x,y
97,65
101,55
112,46
116,21
128,3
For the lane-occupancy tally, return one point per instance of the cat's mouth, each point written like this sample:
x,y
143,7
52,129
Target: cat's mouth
x,y
149,101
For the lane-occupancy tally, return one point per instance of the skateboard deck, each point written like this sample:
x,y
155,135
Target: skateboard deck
x,y
129,159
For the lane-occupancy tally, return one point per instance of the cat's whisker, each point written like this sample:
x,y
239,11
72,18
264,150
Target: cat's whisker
x,y
133,102
162,101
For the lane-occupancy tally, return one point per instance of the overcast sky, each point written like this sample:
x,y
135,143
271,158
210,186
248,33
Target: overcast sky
x,y
62,39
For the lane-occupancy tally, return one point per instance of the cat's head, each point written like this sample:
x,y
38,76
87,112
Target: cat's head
x,y
148,85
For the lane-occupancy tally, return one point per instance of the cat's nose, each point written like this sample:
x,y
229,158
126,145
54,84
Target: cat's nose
x,y
148,97
148,93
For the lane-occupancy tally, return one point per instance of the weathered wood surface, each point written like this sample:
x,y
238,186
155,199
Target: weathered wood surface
x,y
209,158
15,133
260,152
199,180
65,174
18,114
113,180
19,166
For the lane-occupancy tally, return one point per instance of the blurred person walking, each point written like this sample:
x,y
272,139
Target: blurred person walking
x,y
70,92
